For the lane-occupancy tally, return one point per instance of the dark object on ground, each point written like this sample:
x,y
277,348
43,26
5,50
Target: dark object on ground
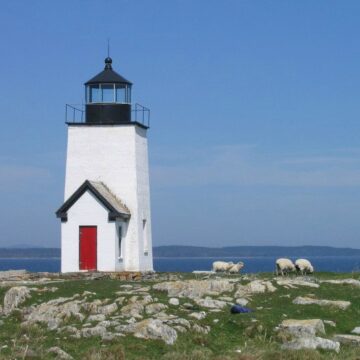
x,y
237,309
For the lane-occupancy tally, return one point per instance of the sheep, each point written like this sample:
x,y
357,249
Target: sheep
x,y
221,266
284,266
236,268
304,266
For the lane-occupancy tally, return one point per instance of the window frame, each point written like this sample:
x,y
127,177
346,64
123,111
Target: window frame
x,y
119,241
125,98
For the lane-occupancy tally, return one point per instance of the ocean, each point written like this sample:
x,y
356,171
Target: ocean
x,y
252,264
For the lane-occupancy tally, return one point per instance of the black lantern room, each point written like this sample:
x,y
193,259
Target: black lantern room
x,y
108,97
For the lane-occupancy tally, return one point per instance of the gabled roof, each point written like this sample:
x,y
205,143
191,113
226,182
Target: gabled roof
x,y
114,205
108,75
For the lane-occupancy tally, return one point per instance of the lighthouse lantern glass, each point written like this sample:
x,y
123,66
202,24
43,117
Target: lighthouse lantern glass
x,y
108,93
93,94
123,94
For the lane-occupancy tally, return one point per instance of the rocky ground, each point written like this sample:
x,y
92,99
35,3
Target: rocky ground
x,y
179,316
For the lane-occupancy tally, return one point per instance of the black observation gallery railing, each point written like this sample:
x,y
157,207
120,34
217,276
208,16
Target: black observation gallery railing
x,y
75,114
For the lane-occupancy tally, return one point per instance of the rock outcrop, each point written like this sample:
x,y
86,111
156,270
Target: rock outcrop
x,y
348,339
195,288
303,327
312,342
254,287
150,329
15,297
343,305
352,282
303,335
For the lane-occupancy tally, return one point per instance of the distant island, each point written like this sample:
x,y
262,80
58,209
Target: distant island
x,y
177,251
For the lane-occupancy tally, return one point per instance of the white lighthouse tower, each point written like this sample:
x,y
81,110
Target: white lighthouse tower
x,y
105,219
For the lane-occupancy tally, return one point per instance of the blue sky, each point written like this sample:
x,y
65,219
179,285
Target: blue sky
x,y
255,114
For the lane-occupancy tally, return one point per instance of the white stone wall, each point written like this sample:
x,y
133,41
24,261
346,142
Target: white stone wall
x,y
116,155
88,211
144,198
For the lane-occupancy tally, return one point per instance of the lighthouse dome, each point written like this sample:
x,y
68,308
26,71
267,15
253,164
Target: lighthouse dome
x,y
108,97
108,75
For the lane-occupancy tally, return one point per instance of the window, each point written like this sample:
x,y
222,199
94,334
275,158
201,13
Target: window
x,y
120,94
120,241
107,93
145,238
94,95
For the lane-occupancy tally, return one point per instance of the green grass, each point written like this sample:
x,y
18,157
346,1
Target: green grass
x,y
232,337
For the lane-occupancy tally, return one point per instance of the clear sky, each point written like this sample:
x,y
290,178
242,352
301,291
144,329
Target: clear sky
x,y
255,114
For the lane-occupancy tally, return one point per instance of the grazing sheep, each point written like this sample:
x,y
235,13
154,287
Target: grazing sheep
x,y
235,269
222,266
284,266
304,266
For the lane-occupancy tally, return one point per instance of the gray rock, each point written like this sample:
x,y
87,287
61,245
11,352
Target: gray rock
x,y
13,274
126,286
312,342
86,293
133,310
198,315
144,301
70,329
15,297
330,323
110,337
201,329
174,301
155,308
294,283
97,317
92,307
120,300
180,328
352,282
343,305
179,321
195,288
356,330
303,327
348,339
150,329
164,317
93,331
143,289
60,354
54,312
108,309
210,303
254,287
107,323
242,301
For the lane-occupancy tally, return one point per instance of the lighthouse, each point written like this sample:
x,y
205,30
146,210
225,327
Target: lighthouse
x,y
105,217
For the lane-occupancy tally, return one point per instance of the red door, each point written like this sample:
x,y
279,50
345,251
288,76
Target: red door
x,y
88,237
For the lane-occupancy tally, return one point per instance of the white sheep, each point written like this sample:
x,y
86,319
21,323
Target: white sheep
x,y
236,268
304,266
221,266
284,266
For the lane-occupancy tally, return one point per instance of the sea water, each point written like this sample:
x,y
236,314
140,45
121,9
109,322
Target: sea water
x,y
252,264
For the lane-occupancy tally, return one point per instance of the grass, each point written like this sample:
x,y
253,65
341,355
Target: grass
x,y
242,336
